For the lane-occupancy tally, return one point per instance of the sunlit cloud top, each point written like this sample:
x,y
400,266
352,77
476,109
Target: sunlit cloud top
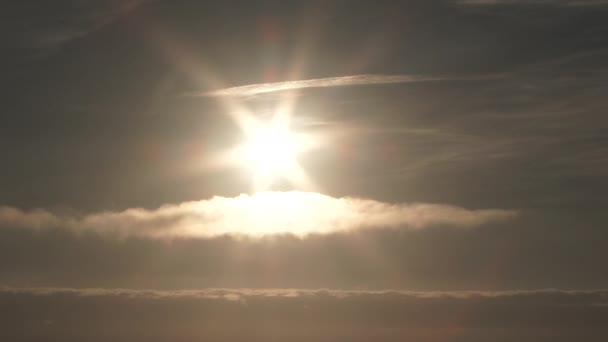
x,y
298,213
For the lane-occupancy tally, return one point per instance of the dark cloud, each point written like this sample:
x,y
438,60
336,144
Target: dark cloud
x,y
296,315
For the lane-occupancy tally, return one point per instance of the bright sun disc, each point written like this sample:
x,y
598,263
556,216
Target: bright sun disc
x,y
271,150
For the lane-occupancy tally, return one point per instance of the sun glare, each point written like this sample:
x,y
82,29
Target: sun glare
x,y
271,150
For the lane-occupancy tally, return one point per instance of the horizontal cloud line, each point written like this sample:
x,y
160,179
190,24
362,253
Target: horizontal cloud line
x,y
366,79
298,213
569,3
242,293
299,314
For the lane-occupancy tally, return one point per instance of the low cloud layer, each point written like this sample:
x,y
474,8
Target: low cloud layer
x,y
586,297
301,315
298,213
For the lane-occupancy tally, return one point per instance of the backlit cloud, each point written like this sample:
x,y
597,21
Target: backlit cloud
x,y
254,89
299,213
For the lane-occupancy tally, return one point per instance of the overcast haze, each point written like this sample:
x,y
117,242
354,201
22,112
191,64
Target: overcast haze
x,y
451,183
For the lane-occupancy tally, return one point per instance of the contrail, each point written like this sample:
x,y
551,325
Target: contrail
x,y
260,88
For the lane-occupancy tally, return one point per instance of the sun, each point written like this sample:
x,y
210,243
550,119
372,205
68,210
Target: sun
x,y
271,149
270,152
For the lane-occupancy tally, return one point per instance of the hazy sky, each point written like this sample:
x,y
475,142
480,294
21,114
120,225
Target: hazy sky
x,y
458,146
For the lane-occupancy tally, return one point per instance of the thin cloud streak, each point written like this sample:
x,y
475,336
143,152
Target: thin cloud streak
x,y
341,81
298,213
240,294
570,3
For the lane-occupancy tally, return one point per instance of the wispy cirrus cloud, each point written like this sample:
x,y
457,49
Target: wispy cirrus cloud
x,y
341,81
298,213
52,24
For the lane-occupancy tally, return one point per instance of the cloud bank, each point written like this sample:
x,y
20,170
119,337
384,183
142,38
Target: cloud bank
x,y
298,213
301,315
589,297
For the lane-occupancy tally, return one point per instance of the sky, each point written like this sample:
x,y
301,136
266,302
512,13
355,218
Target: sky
x,y
304,170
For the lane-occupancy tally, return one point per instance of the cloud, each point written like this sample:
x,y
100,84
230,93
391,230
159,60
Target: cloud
x,y
51,25
299,213
536,2
232,294
341,81
300,315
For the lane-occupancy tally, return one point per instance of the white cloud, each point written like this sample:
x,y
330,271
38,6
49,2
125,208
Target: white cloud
x,y
299,213
254,89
